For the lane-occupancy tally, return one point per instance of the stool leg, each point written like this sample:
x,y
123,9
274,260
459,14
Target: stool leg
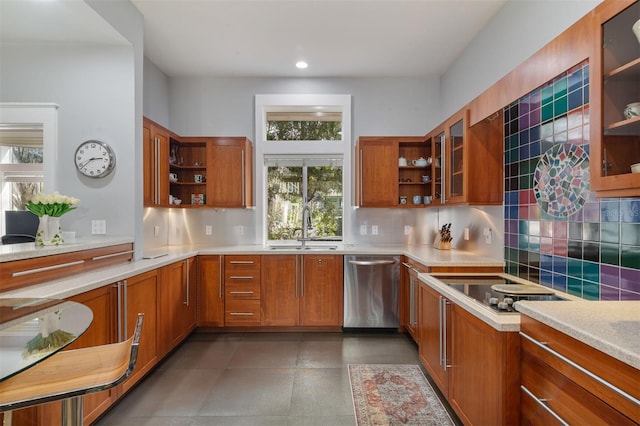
x,y
73,411
6,418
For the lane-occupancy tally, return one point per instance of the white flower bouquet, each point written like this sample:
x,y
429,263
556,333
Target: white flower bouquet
x,y
54,205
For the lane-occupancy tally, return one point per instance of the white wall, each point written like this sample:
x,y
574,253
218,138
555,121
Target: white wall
x,y
94,87
516,32
156,94
381,106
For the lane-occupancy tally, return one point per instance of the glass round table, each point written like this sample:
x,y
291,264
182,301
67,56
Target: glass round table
x,y
32,330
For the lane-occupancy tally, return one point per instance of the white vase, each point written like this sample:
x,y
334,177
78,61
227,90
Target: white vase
x,y
49,232
636,29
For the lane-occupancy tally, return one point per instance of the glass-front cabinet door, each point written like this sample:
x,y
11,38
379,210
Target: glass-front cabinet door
x,y
456,161
615,127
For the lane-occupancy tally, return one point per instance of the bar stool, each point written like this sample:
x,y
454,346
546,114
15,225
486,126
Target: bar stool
x,y
68,375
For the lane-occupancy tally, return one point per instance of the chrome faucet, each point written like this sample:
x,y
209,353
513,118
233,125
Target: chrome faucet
x,y
306,224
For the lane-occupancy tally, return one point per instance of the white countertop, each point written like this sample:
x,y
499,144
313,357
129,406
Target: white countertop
x,y
10,252
612,327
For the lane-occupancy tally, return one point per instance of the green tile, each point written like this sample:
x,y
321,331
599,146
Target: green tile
x,y
630,233
590,290
560,88
547,112
609,232
610,254
590,271
630,256
574,286
547,95
560,106
514,141
574,268
533,163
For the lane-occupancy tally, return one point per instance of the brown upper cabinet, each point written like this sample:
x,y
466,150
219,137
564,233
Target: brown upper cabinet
x,y
382,180
468,161
156,164
615,83
197,171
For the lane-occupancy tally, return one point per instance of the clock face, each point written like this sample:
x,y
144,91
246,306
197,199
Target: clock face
x,y
95,159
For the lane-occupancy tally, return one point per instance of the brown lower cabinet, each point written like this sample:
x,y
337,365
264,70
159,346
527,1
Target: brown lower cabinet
x,y
302,290
475,366
210,291
565,380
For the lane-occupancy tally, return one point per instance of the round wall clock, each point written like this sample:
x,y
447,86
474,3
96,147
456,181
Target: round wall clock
x,y
95,159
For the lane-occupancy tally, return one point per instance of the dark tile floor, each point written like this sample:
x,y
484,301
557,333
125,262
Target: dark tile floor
x,y
258,379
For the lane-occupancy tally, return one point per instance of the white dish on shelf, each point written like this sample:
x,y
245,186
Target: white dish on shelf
x,y
635,168
632,110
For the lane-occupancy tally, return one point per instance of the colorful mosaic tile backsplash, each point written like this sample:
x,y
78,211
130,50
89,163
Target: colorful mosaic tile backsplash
x,y
557,233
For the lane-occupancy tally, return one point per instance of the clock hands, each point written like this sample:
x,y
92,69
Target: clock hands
x,y
88,161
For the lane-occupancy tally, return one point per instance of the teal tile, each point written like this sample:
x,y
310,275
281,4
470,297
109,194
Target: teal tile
x,y
630,256
523,242
560,88
514,141
590,290
560,106
574,286
547,95
547,112
590,271
574,268
609,232
630,233
610,254
523,227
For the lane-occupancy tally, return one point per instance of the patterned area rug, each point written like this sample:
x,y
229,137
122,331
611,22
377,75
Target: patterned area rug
x,y
390,394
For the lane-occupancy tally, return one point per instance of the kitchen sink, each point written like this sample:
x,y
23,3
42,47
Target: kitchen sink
x,y
304,248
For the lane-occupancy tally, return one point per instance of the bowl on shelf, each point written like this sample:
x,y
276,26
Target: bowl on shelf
x,y
177,201
632,110
635,168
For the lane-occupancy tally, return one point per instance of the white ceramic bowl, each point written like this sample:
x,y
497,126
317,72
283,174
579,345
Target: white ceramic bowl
x,y
177,201
635,168
632,110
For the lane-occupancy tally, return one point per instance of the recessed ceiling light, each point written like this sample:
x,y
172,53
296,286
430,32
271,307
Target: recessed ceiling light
x,y
301,64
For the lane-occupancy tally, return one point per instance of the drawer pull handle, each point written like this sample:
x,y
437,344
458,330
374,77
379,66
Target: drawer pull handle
x,y
46,268
541,403
241,314
583,370
107,256
241,262
241,292
241,277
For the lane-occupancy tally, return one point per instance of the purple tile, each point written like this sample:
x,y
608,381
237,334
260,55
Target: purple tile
x,y
609,293
525,105
513,226
591,212
630,279
578,216
629,295
610,275
524,122
512,240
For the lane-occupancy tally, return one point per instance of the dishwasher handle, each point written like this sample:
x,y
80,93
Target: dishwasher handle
x,y
371,262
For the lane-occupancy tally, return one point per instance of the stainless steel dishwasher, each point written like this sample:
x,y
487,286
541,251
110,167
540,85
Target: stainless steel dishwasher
x,y
371,291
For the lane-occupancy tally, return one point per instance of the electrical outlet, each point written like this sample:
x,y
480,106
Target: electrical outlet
x,y
487,235
98,227
374,229
466,234
156,231
407,230
363,229
208,230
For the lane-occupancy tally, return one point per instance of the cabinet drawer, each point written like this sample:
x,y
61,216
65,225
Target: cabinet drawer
x,y
22,273
610,380
242,290
242,312
543,386
241,263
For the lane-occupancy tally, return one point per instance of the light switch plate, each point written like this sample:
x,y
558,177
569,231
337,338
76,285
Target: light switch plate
x,y
363,229
98,227
374,229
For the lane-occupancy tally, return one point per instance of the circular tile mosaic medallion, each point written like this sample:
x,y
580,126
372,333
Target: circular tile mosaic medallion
x,y
561,180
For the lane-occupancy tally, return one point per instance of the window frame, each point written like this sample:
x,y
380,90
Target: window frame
x,y
263,103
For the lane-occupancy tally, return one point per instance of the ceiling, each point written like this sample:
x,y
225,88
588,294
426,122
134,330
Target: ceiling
x,y
338,38
265,38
